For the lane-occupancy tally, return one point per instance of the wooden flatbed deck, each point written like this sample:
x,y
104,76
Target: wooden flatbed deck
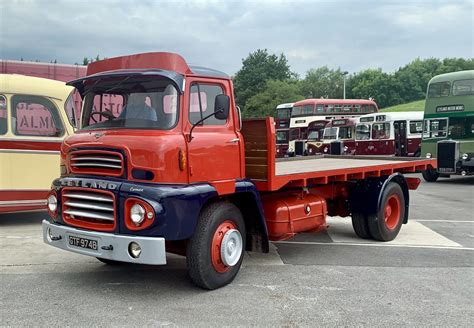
x,y
322,164
270,174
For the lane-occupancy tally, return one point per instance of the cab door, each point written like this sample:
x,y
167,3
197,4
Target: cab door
x,y
400,130
214,150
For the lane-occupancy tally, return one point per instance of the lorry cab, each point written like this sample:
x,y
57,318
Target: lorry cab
x,y
36,114
155,124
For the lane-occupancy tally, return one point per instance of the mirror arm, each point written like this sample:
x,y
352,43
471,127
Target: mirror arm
x,y
190,137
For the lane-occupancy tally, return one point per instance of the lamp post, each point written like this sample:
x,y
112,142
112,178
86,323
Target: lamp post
x,y
344,79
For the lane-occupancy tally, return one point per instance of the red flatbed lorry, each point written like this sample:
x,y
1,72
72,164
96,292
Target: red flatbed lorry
x,y
178,171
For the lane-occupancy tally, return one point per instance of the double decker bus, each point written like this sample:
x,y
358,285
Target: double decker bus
x,y
282,125
448,132
397,134
309,110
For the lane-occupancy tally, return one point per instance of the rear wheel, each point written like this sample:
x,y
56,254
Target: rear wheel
x,y
386,223
216,249
430,175
360,225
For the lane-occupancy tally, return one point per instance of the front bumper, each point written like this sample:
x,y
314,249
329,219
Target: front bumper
x,y
109,246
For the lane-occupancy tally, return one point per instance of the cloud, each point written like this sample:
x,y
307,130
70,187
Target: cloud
x,y
349,34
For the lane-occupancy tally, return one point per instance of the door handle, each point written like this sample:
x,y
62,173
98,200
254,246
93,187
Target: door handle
x,y
233,140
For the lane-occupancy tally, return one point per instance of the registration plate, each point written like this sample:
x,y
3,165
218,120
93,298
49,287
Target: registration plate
x,y
83,242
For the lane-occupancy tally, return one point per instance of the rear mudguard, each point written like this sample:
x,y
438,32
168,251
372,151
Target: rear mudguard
x,y
366,195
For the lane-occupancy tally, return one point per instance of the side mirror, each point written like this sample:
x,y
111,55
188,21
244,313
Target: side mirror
x,y
221,107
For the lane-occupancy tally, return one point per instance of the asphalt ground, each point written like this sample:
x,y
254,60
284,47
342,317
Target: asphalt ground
x,y
423,278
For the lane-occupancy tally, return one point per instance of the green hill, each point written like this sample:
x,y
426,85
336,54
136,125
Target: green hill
x,y
408,107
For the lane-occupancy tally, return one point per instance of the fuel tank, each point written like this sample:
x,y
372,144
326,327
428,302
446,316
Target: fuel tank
x,y
289,213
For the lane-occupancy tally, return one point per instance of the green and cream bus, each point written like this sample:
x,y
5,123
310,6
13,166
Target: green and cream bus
x,y
448,133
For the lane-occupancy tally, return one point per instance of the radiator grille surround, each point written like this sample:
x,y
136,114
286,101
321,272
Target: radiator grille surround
x,y
96,162
89,208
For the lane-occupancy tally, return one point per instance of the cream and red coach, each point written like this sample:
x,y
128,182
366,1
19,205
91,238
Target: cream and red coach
x,y
35,116
192,179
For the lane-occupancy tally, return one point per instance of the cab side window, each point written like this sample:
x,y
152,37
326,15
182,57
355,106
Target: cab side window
x,y
3,115
35,116
201,103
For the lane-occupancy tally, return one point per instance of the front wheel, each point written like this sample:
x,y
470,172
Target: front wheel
x,y
215,251
430,175
387,222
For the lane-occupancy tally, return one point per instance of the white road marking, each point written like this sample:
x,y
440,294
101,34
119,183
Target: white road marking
x,y
412,234
447,221
380,244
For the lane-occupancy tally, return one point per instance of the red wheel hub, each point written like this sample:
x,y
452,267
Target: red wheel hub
x,y
216,244
392,211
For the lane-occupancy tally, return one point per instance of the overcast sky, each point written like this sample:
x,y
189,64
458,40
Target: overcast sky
x,y
353,35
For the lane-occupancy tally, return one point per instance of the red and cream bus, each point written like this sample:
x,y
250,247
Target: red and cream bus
x,y
36,114
282,124
397,133
315,136
310,110
338,138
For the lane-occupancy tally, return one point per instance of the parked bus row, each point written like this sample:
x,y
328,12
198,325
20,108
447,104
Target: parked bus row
x,y
303,112
396,134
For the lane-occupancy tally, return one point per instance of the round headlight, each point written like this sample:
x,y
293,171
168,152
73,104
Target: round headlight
x,y
137,214
346,148
465,156
428,155
325,149
52,203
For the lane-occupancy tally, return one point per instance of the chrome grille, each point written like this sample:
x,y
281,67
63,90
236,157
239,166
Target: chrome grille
x,y
96,162
88,206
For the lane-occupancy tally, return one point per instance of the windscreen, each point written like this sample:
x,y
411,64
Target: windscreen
x,y
330,133
139,104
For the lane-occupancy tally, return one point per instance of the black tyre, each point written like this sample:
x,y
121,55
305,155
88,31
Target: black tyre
x,y
109,262
430,175
386,224
361,225
215,251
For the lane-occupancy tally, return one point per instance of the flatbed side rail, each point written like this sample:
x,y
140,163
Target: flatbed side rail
x,y
270,174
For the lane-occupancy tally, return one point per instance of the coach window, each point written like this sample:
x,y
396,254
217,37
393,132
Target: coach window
x,y
440,89
35,116
320,108
463,87
416,127
3,115
337,108
347,108
381,131
202,98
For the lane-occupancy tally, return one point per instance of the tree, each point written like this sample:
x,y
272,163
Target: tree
x,y
373,83
275,92
257,68
323,82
